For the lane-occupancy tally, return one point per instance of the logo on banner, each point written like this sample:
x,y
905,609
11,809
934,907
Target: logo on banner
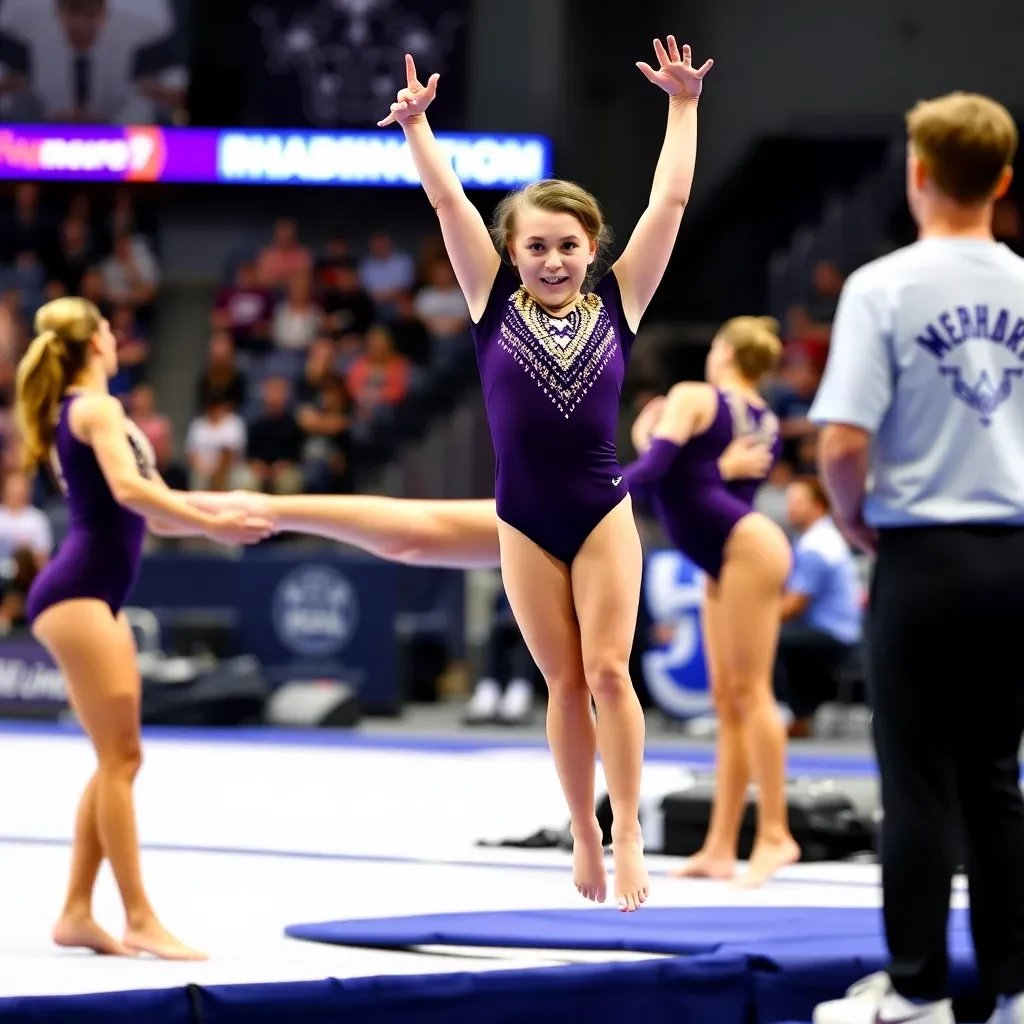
x,y
675,671
315,611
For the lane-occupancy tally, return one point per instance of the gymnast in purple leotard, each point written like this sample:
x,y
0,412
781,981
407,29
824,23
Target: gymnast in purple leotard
x,y
67,418
551,353
746,558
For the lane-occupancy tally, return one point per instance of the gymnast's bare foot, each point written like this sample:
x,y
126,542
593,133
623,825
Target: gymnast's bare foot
x,y
75,931
766,859
632,884
588,871
153,938
706,864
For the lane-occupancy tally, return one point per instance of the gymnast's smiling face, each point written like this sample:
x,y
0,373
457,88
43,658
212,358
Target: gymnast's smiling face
x,y
553,254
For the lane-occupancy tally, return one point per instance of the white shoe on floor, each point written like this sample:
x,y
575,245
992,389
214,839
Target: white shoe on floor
x,y
482,708
516,706
872,1001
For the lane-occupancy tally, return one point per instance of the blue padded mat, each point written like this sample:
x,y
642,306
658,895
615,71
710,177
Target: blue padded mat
x,y
795,957
793,934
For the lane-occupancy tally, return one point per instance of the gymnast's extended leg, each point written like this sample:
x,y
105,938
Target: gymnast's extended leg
x,y
431,532
97,657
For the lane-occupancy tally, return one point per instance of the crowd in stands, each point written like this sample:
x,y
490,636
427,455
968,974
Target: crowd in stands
x,y
307,350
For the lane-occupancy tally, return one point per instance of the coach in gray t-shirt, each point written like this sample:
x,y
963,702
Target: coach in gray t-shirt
x,y
922,453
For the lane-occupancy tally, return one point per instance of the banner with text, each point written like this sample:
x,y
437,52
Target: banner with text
x,y
304,616
674,668
244,157
31,686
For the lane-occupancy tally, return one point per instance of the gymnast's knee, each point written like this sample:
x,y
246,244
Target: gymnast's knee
x,y
608,680
567,690
741,697
119,747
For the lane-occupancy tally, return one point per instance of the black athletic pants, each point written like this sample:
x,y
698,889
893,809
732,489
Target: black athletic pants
x,y
946,626
807,665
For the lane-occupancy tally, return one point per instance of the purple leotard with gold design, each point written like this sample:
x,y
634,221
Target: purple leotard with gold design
x,y
551,389
100,556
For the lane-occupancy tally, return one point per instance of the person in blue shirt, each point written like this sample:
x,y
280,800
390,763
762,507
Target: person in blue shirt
x,y
821,610
923,396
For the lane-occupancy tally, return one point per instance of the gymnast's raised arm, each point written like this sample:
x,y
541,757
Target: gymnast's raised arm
x,y
473,256
641,266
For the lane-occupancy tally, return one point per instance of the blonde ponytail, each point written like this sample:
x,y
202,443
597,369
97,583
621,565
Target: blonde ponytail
x,y
56,356
39,387
756,345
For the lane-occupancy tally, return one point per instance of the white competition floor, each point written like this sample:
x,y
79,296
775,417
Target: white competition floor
x,y
242,839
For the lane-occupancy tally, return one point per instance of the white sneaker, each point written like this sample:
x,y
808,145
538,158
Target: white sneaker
x,y
483,705
872,1001
1009,1011
517,703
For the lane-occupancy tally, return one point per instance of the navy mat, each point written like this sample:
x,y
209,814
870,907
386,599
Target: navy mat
x,y
795,957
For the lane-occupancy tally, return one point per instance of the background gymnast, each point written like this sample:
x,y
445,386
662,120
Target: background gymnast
x,y
65,415
747,559
552,358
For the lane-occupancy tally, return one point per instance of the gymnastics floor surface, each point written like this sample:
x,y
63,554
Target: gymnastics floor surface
x,y
364,848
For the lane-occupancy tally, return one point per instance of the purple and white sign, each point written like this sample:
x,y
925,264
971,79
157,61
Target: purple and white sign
x,y
243,156
30,684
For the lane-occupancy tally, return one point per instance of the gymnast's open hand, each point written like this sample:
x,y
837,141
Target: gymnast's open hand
x,y
746,458
676,73
414,99
236,526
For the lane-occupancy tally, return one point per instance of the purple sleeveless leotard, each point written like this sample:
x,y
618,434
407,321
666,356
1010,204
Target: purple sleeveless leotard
x,y
696,508
551,388
100,556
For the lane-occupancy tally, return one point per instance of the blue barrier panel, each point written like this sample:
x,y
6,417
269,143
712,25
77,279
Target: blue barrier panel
x,y
303,614
30,684
674,670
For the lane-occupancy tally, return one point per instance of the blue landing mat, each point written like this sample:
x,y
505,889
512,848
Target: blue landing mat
x,y
794,957
674,991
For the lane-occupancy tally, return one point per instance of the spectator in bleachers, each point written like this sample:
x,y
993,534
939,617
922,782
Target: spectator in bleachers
x,y
1006,225
215,447
222,377
13,329
91,287
21,524
73,254
323,416
821,609
132,351
22,570
772,499
246,309
27,230
386,271
790,397
279,262
380,376
274,448
155,427
131,275
318,367
298,318
441,305
412,339
337,253
347,303
828,283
